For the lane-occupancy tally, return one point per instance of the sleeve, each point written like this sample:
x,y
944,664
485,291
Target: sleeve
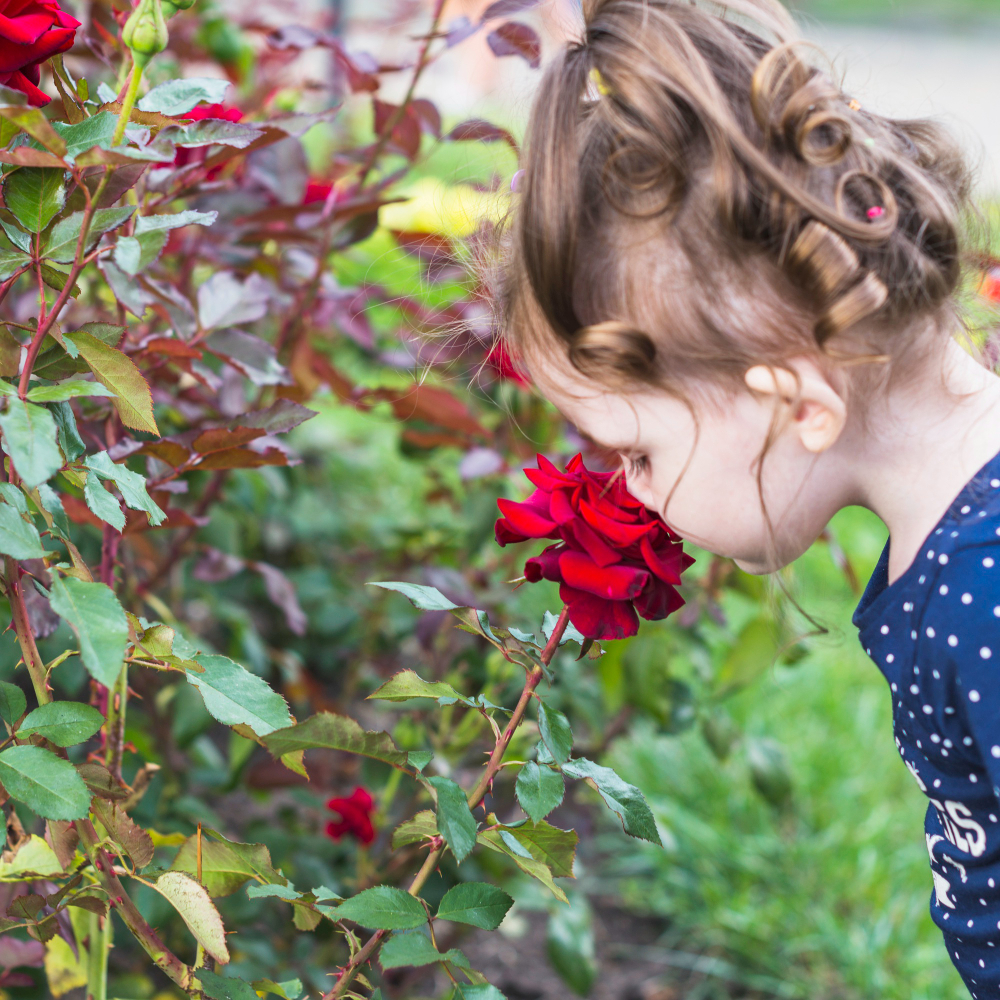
x,y
961,627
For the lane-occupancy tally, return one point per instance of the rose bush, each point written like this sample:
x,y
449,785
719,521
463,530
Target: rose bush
x,y
31,32
615,560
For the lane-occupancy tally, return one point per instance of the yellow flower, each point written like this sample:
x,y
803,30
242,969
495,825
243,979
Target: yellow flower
x,y
454,210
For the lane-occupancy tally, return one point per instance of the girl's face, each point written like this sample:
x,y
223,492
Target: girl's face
x,y
699,470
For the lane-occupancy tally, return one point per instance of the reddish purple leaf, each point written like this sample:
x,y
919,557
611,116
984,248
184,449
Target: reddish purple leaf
x,y
460,29
282,593
476,129
405,133
428,116
504,8
515,39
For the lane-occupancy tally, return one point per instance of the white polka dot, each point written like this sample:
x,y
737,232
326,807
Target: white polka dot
x,y
920,745
928,709
966,509
930,632
995,751
937,782
982,964
893,688
913,634
996,611
914,689
973,778
944,753
990,882
966,598
954,534
943,589
890,658
935,738
911,715
938,532
995,483
921,580
930,554
943,559
989,563
948,743
937,676
971,923
884,630
908,606
986,652
968,739
973,696
916,670
949,710
952,640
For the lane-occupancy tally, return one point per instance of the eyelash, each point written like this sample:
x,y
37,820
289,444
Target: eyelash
x,y
637,465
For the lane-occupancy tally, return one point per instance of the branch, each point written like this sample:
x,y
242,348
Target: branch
x,y
349,971
161,955
22,628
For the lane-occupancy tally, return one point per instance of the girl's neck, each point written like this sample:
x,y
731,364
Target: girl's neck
x,y
931,436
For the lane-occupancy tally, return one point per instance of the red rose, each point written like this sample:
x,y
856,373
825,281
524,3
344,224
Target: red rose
x,y
31,31
505,365
317,191
613,557
355,812
990,287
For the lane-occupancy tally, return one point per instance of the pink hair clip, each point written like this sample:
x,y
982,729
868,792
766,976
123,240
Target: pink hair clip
x,y
875,212
515,181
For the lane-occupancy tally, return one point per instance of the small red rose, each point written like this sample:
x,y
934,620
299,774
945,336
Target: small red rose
x,y
355,817
32,31
200,113
613,559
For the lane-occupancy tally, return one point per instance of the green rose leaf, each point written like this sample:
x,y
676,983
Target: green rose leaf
x,y
407,685
35,195
539,790
65,723
98,130
133,254
10,262
414,948
12,702
68,434
102,503
623,799
118,372
335,732
421,827
454,819
67,390
477,903
19,538
227,864
65,234
549,844
197,910
47,784
493,840
383,908
476,991
218,987
131,484
176,97
235,696
30,439
424,598
556,733
94,614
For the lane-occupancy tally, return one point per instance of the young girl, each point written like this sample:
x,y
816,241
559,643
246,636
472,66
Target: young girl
x,y
732,273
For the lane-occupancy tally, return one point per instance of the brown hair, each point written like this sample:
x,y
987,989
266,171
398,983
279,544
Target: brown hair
x,y
698,198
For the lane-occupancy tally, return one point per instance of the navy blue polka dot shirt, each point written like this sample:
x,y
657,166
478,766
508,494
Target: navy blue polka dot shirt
x,y
935,634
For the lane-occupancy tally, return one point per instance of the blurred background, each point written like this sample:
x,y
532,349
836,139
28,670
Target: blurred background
x,y
794,863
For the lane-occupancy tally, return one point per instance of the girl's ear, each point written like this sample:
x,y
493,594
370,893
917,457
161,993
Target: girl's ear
x,y
816,410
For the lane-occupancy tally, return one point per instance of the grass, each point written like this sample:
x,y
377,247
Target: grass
x,y
829,899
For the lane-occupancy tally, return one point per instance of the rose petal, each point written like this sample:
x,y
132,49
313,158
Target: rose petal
x,y
580,535
524,520
361,799
597,618
544,566
615,583
658,600
560,509
615,531
666,561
